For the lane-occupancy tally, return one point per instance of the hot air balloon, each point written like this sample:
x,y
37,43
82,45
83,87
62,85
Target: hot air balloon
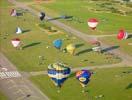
x,y
83,76
13,12
122,35
57,43
58,72
92,23
71,48
18,30
15,42
42,16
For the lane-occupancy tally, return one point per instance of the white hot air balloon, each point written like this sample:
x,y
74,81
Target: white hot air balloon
x,y
18,31
92,23
15,42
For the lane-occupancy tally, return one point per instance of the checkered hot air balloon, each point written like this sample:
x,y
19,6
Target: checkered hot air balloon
x,y
83,76
92,23
122,35
58,72
15,42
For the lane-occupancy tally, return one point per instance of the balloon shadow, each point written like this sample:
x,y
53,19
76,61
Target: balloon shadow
x,y
129,36
79,45
110,48
129,86
31,44
61,17
24,31
84,51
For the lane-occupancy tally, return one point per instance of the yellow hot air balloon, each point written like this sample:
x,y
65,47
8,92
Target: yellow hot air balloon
x,y
71,48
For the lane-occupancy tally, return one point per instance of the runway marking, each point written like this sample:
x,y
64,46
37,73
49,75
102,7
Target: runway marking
x,y
11,74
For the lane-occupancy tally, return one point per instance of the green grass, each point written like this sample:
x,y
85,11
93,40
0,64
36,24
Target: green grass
x,y
109,23
124,47
28,59
114,84
2,96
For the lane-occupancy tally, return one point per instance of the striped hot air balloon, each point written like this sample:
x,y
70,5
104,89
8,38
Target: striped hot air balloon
x,y
58,72
83,76
15,42
122,35
92,23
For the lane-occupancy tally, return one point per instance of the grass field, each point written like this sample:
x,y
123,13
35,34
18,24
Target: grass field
x,y
124,44
34,35
2,96
113,84
109,22
105,84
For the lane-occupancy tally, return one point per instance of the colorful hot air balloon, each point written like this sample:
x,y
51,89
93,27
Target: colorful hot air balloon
x,y
15,42
83,76
92,23
57,43
58,72
13,12
71,48
42,16
122,35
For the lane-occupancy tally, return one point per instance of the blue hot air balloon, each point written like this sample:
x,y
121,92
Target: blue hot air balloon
x,y
84,77
57,43
58,72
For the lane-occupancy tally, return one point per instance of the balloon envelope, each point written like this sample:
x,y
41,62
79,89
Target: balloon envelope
x,y
92,23
83,77
42,16
122,35
71,48
15,42
57,43
18,30
58,72
13,12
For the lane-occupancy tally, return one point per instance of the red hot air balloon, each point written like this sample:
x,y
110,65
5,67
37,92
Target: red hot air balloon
x,y
92,23
15,42
122,35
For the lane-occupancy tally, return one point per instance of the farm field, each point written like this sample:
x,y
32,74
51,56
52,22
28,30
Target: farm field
x,y
112,84
35,43
107,12
111,73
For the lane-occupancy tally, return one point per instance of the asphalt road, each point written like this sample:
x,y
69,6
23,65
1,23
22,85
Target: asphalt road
x,y
15,85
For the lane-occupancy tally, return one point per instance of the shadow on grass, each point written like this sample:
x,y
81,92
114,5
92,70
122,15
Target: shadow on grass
x,y
24,31
129,86
61,17
110,48
79,45
130,36
31,44
84,51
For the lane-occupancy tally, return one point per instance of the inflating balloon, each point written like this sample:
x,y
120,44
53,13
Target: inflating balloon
x,y
83,76
122,35
58,72
57,43
15,42
92,23
71,48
